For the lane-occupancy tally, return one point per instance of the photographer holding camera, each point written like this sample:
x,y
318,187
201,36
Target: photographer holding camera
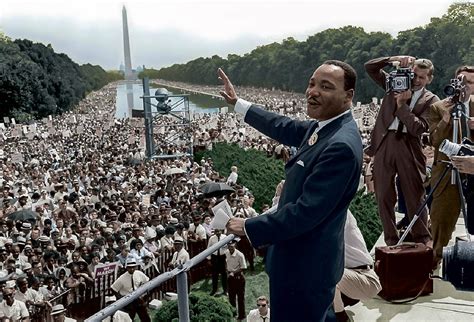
x,y
396,140
446,205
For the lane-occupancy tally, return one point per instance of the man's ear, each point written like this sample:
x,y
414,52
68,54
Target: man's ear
x,y
430,79
349,95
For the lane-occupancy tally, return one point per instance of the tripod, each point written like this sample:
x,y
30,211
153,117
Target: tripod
x,y
456,113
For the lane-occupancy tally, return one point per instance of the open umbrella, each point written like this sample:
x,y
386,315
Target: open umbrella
x,y
23,215
171,171
216,189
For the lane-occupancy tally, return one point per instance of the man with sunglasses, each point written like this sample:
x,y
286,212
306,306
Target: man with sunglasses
x,y
11,309
261,313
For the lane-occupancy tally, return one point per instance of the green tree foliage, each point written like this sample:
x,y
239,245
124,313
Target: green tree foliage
x,y
35,81
448,41
259,173
202,307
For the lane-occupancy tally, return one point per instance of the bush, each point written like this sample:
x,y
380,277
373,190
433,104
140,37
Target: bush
x,y
202,307
364,209
259,173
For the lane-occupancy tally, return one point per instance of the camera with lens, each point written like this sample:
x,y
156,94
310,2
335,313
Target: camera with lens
x,y
399,80
453,149
456,89
458,265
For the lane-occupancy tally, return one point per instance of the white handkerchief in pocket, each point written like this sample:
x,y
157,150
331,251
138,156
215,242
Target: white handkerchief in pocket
x,y
301,163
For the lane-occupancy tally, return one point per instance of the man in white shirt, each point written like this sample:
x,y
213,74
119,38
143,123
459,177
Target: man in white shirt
x,y
180,256
261,313
196,231
127,283
359,281
28,295
235,265
218,262
12,309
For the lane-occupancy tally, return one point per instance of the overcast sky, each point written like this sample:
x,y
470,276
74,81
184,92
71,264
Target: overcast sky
x,y
164,32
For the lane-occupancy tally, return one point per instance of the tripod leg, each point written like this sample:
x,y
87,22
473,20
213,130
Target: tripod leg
x,y
463,202
422,206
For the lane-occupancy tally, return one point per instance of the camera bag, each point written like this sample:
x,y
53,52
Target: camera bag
x,y
404,270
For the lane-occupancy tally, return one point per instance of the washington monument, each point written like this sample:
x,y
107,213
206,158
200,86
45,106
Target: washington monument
x,y
126,47
129,76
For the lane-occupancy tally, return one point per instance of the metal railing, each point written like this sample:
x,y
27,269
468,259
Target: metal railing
x,y
181,280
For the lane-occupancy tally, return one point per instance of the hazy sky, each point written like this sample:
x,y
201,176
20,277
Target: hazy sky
x,y
164,32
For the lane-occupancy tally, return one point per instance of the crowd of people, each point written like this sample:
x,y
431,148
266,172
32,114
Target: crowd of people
x,y
77,192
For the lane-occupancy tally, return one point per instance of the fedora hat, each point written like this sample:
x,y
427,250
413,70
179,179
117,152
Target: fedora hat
x,y
57,309
131,263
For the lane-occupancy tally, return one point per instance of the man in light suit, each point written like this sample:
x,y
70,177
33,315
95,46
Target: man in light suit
x,y
396,145
446,204
305,257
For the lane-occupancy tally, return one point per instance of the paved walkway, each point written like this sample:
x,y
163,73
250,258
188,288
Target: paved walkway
x,y
445,304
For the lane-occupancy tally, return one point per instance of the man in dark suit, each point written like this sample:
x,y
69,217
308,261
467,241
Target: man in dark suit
x,y
446,204
305,257
396,145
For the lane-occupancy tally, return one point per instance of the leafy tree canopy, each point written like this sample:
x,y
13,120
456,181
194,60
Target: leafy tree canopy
x,y
448,41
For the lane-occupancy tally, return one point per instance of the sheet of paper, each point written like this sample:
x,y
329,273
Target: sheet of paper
x,y
222,214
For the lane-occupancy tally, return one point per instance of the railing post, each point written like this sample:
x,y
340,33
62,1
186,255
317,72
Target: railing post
x,y
183,303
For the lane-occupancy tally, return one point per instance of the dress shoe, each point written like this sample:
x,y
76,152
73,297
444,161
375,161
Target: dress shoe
x,y
403,223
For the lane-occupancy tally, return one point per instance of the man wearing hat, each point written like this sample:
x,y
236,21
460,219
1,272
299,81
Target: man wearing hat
x,y
26,229
22,202
180,256
129,282
196,231
119,316
58,314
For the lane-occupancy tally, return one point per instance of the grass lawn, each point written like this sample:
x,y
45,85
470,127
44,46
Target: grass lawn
x,y
256,284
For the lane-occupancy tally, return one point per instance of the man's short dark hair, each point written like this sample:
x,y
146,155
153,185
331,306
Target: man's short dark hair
x,y
350,75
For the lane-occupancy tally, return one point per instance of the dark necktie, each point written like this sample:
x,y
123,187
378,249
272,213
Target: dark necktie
x,y
399,132
464,132
263,318
219,250
133,284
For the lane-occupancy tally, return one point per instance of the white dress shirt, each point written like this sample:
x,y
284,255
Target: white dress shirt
x,y
414,98
356,253
254,316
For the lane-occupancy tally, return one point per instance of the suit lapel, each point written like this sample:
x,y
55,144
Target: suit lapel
x,y
322,134
417,109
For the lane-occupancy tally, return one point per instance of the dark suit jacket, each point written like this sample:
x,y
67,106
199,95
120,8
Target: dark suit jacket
x,y
416,120
305,258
